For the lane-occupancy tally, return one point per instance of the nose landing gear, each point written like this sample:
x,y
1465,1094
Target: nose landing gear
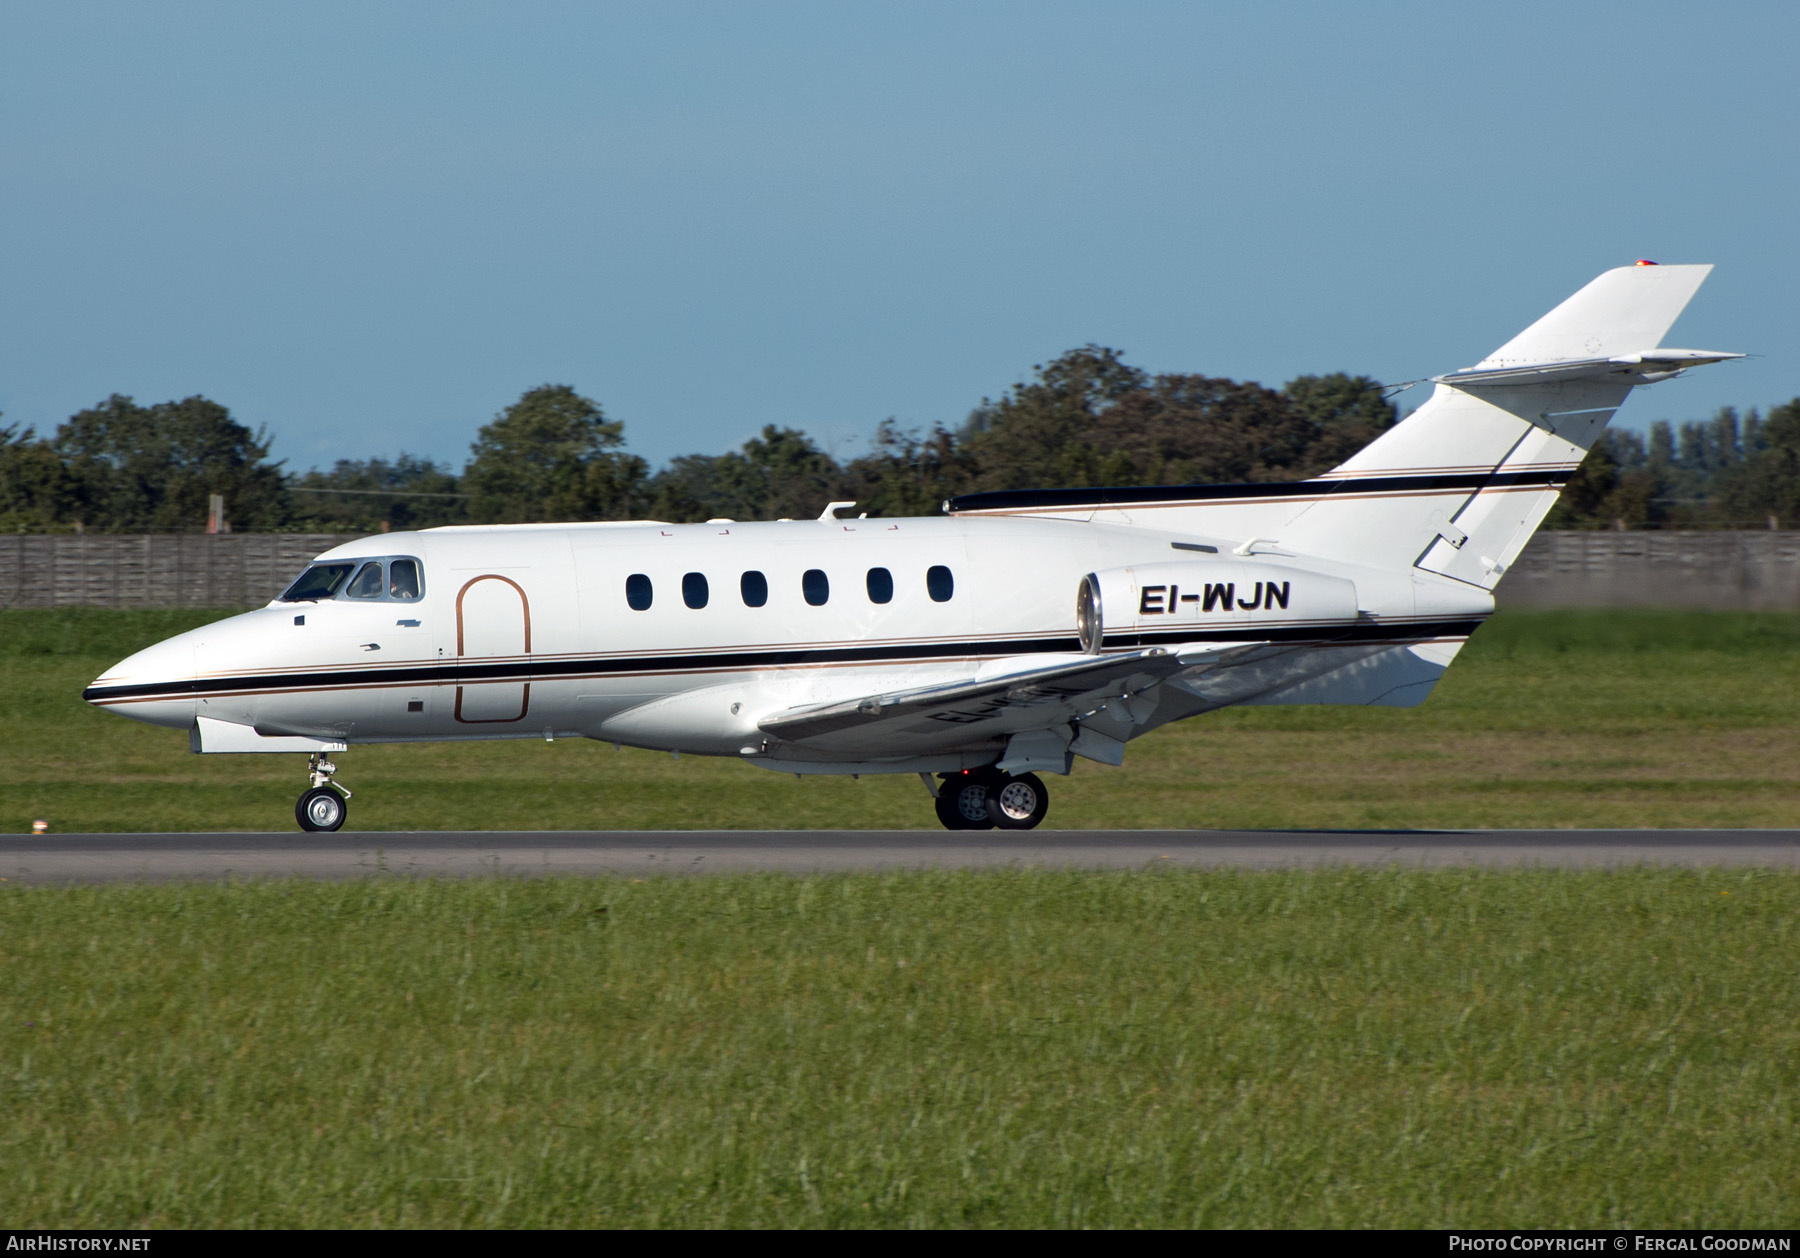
x,y
325,804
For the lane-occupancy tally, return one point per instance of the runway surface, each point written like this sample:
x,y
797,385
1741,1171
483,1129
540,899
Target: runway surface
x,y
161,857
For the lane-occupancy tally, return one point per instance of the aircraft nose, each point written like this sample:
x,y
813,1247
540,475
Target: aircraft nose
x,y
156,685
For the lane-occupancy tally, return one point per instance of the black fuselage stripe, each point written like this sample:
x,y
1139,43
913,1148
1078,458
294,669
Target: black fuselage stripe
x,y
730,661
1438,482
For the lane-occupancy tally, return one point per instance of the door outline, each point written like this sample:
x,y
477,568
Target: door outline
x,y
525,606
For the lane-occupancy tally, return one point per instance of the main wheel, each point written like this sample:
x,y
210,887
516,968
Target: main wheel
x,y
1018,803
321,808
962,803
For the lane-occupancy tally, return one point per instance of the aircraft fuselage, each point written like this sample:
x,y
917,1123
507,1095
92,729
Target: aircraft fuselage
x,y
532,632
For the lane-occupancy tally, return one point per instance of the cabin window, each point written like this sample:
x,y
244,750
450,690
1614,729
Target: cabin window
x,y
366,583
815,586
403,580
693,590
322,580
939,583
638,592
754,586
881,585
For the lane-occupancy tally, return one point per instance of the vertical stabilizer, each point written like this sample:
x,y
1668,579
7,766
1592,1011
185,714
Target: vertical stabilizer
x,y
1459,486
1623,311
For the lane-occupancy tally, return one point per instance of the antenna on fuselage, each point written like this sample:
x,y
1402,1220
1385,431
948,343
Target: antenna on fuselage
x,y
832,508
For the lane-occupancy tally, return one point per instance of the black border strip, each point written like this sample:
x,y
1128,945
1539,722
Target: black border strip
x,y
748,660
1017,499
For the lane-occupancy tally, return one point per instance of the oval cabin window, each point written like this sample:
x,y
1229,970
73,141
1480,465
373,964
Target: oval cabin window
x,y
881,585
815,586
754,586
638,592
693,590
940,584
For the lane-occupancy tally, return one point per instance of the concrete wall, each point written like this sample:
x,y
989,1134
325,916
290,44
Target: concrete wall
x,y
159,570
1754,571
1577,568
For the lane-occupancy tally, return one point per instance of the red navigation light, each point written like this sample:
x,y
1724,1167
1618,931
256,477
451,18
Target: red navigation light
x,y
1643,262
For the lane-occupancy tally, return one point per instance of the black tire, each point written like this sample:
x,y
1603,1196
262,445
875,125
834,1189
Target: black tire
x,y
1018,803
962,802
945,807
321,808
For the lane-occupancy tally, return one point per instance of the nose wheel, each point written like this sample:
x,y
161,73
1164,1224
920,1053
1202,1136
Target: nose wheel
x,y
324,805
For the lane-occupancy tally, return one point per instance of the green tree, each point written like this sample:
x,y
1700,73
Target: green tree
x,y
1616,486
1191,429
1040,434
780,473
1350,412
553,455
34,485
1090,418
152,468
906,474
369,494
1765,486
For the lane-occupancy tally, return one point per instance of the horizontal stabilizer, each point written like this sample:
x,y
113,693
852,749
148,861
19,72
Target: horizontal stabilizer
x,y
1644,367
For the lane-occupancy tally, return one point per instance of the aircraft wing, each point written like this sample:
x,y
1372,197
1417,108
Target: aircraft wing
x,y
1032,698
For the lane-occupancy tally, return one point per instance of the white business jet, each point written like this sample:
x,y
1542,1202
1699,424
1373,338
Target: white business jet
x,y
978,649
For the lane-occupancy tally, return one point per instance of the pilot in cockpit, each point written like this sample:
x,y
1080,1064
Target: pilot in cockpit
x,y
403,580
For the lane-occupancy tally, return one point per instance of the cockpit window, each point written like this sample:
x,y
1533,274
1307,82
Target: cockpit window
x,y
396,579
403,580
366,583
322,580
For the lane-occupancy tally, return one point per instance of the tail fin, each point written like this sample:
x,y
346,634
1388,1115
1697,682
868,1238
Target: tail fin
x,y
1461,484
1622,311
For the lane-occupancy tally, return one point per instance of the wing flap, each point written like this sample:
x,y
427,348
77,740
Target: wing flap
x,y
1029,698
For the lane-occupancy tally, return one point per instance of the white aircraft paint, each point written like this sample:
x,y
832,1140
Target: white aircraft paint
x,y
988,645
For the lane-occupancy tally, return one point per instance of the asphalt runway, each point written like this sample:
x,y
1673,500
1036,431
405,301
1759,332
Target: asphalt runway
x,y
444,854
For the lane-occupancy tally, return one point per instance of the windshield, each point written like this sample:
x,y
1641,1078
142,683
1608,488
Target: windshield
x,y
394,579
322,580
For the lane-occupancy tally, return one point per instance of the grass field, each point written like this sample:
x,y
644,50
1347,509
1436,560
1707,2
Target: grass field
x,y
1547,719
1410,1048
1332,1048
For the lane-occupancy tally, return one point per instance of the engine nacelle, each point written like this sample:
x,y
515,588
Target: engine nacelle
x,y
1205,595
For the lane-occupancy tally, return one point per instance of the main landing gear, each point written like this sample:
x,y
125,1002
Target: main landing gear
x,y
983,799
325,804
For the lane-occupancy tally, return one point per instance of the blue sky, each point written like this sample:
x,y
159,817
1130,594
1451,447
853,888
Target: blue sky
x,y
370,227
